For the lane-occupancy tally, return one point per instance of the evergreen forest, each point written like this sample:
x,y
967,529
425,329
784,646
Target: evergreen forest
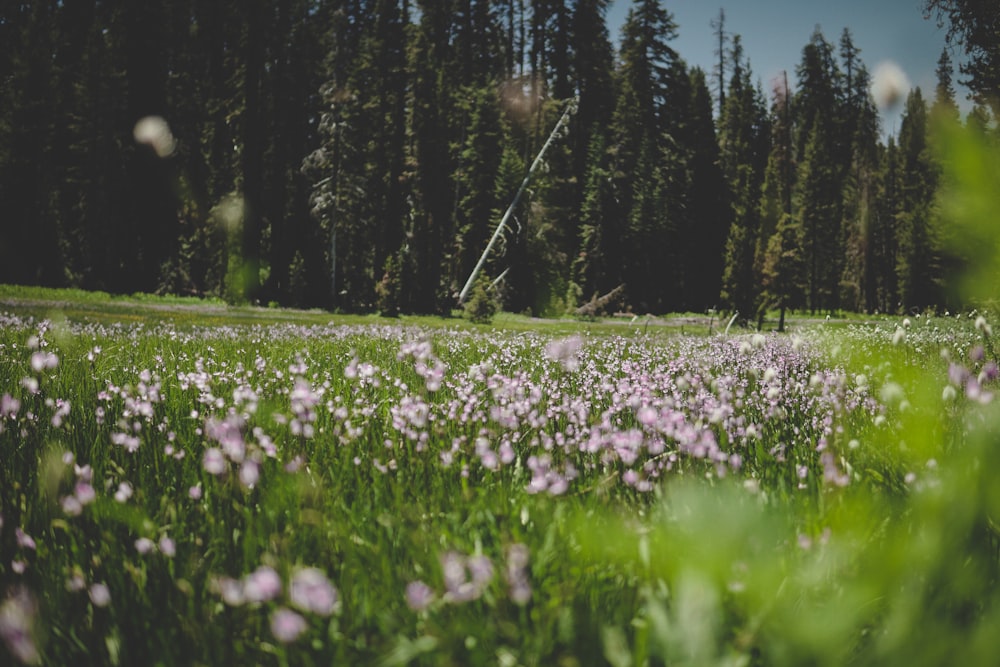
x,y
357,155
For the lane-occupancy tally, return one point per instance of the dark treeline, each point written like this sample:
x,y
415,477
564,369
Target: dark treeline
x,y
357,154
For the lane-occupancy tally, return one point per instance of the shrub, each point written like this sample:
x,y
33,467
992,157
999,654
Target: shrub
x,y
481,306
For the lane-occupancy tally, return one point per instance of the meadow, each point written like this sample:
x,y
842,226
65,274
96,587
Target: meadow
x,y
333,491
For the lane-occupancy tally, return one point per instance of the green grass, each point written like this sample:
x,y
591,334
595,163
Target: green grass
x,y
874,552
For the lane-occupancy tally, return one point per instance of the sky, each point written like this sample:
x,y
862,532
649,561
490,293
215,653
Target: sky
x,y
774,31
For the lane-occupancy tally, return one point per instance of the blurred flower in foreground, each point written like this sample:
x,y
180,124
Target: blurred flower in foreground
x,y
311,591
154,132
100,595
17,620
286,625
889,84
566,351
418,595
261,585
517,573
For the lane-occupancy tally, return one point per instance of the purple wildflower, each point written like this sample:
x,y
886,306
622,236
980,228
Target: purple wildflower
x,y
213,461
100,595
261,585
311,591
17,622
418,595
286,625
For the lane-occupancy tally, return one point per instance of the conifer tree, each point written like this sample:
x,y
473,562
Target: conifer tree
x,y
702,238
822,162
744,138
917,263
781,277
885,249
819,93
433,187
776,208
819,214
718,25
29,252
944,106
974,24
642,127
476,180
859,189
597,266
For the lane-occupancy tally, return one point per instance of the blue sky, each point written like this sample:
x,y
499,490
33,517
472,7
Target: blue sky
x,y
774,32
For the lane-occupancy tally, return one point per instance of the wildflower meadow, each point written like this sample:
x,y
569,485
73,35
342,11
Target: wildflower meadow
x,y
389,494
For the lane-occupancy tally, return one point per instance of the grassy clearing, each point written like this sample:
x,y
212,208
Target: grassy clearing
x,y
191,490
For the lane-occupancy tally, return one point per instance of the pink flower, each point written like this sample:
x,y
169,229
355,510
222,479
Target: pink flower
x,y
9,406
85,493
167,547
100,595
261,585
230,590
71,506
41,361
249,473
418,595
566,351
75,584
144,545
213,461
286,625
311,591
124,492
24,540
17,621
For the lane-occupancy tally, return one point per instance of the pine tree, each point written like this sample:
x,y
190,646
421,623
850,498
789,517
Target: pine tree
x,y
917,264
597,268
644,148
818,94
744,138
819,214
701,241
884,240
719,71
944,107
974,24
783,266
337,168
823,162
776,208
858,285
433,187
476,180
29,252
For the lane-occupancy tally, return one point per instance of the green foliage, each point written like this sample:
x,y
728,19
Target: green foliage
x,y
744,137
973,24
481,305
389,289
352,130
969,200
917,265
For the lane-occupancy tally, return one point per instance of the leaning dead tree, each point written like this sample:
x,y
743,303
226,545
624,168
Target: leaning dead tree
x,y
602,305
570,109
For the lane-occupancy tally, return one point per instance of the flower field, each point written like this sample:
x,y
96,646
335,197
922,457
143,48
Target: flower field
x,y
324,494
